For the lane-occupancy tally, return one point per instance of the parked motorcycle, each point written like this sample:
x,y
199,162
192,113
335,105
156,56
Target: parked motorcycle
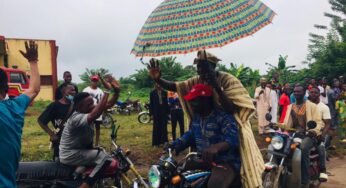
x,y
47,174
144,116
134,105
107,118
168,173
122,108
283,170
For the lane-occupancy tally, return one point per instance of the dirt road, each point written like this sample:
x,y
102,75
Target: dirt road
x,y
337,177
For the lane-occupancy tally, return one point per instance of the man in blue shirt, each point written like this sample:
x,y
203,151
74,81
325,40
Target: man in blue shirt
x,y
12,118
214,133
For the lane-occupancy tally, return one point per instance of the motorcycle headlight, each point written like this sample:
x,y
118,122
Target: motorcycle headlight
x,y
277,142
154,176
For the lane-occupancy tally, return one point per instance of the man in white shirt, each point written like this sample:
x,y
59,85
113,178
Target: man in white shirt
x,y
274,102
263,104
97,95
314,96
324,91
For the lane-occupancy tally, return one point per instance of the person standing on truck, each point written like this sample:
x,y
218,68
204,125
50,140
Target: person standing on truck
x,y
12,113
67,80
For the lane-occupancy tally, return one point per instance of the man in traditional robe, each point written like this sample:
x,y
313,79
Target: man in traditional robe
x,y
262,95
230,95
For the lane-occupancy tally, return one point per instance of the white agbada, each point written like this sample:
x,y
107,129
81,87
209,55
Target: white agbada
x,y
262,105
274,105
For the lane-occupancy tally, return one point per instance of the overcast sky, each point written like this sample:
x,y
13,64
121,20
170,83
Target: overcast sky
x,y
101,33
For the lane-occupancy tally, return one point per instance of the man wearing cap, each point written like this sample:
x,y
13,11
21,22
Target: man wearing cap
x,y
231,96
97,95
215,135
263,101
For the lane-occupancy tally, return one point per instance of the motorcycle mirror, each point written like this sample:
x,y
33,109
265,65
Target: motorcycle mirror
x,y
114,131
170,152
312,124
268,117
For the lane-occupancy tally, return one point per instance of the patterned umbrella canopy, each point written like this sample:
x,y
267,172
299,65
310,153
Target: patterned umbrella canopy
x,y
184,26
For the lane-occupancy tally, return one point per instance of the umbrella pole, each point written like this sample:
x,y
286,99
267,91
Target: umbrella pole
x,y
141,60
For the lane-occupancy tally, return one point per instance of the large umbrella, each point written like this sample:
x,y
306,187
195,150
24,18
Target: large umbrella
x,y
184,26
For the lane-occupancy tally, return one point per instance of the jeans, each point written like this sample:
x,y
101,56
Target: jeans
x,y
307,144
322,157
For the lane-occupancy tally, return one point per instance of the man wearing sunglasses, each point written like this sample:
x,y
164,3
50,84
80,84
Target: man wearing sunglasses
x,y
229,95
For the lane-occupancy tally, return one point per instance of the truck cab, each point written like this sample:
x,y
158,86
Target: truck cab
x,y
18,81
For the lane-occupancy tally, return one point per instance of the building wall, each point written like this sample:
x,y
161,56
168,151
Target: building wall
x,y
2,60
2,50
47,63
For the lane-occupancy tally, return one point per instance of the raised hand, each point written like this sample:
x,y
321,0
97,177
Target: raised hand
x,y
154,69
106,84
114,83
31,53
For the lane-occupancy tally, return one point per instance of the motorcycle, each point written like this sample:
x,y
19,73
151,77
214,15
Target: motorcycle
x,y
47,174
144,116
122,108
168,173
135,106
107,118
284,166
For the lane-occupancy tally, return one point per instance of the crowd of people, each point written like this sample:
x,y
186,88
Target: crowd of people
x,y
298,105
274,98
217,105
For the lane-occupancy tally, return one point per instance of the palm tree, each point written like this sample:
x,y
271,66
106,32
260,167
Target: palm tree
x,y
281,72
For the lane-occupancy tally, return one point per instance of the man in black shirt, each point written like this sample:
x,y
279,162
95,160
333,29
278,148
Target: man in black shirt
x,y
67,79
57,113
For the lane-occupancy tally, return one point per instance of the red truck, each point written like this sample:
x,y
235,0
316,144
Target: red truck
x,y
18,81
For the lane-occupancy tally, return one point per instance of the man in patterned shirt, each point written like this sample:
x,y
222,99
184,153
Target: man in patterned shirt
x,y
215,134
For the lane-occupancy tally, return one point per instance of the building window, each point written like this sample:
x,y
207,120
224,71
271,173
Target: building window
x,y
46,80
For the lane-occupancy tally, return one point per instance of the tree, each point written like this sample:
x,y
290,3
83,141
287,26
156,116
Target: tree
x,y
281,72
327,54
170,69
247,76
85,77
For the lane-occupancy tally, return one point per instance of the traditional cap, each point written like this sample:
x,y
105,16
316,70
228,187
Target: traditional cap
x,y
210,57
94,78
263,79
199,90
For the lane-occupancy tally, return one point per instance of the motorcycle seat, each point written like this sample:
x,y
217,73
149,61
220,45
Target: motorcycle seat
x,y
110,170
44,170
